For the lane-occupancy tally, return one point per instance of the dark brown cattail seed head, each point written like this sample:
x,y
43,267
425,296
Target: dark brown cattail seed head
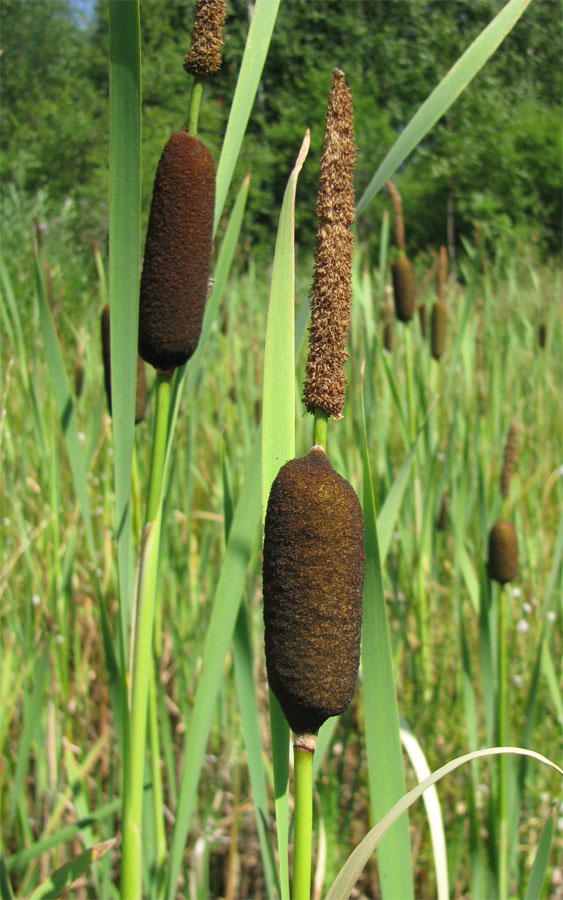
x,y
438,328
442,520
404,290
313,576
503,552
422,318
331,292
177,253
388,336
442,272
204,57
542,335
141,389
509,462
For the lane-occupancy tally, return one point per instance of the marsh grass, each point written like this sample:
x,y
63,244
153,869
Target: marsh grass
x,y
62,680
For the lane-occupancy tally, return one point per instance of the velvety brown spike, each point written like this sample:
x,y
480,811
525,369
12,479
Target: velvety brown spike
x,y
388,336
509,462
331,292
503,552
439,328
397,205
542,335
404,290
442,272
313,576
422,318
442,520
141,389
177,253
204,57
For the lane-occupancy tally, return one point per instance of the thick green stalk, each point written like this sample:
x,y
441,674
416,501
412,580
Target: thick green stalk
x,y
320,428
502,742
303,833
195,103
141,657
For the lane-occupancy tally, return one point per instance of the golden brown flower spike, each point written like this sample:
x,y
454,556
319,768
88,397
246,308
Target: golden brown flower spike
x,y
204,57
509,461
331,292
313,576
503,552
177,253
141,389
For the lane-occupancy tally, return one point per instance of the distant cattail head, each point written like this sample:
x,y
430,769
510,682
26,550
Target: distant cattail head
x,y
331,292
313,576
442,272
204,57
438,328
177,253
542,335
503,552
388,336
442,520
79,374
404,289
422,318
509,462
397,204
141,384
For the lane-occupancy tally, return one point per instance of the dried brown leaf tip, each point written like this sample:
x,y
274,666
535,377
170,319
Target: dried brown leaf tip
x,y
204,57
331,292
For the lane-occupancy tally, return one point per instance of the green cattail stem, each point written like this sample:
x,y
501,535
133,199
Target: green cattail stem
x,y
303,791
157,792
320,428
502,742
141,657
195,103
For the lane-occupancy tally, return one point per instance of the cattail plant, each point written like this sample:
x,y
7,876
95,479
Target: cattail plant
x,y
313,566
173,293
404,288
509,461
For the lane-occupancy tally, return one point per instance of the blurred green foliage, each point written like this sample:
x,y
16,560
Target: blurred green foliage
x,y
496,155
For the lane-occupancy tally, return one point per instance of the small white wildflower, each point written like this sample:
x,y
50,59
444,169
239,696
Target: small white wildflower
x,y
527,607
81,436
522,626
60,639
35,599
561,471
5,521
551,616
560,824
518,680
516,592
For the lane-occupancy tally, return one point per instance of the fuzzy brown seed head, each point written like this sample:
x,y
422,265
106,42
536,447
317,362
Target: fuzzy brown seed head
x,y
422,318
141,385
509,461
177,253
503,552
397,204
204,57
439,328
404,290
442,519
313,576
331,292
442,272
542,335
388,336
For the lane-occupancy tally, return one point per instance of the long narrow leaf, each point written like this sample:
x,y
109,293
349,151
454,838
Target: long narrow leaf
x,y
442,97
350,872
124,262
255,52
